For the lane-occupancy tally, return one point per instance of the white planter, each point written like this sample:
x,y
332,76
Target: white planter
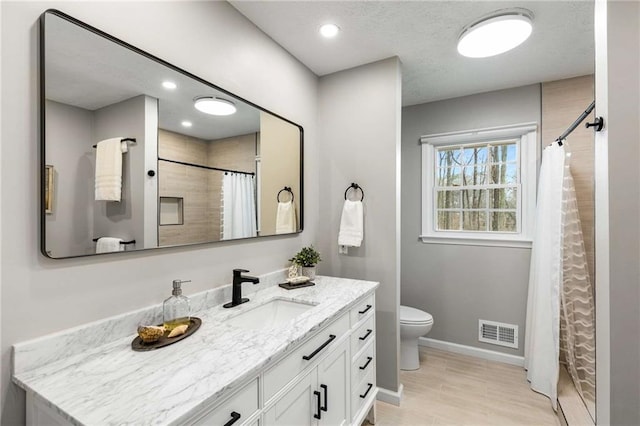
x,y
309,271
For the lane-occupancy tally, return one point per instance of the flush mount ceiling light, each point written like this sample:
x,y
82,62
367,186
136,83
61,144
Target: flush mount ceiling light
x,y
214,106
329,30
496,33
187,123
169,85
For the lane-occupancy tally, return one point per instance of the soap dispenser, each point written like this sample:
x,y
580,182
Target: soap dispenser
x,y
176,309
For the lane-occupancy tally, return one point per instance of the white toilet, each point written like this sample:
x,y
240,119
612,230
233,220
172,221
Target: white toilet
x,y
414,323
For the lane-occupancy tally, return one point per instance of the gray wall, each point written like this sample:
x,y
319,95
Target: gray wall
x,y
41,295
70,136
359,112
621,121
460,284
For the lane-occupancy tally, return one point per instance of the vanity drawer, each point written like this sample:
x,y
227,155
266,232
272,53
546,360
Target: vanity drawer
x,y
362,393
362,309
363,334
285,370
243,404
363,363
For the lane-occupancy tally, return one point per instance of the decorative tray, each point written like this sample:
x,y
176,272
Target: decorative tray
x,y
289,286
139,345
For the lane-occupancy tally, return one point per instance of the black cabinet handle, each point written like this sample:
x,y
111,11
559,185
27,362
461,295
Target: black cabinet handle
x,y
364,395
364,311
369,359
318,414
369,331
321,347
326,395
234,418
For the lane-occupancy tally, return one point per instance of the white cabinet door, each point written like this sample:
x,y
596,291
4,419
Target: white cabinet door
x,y
333,385
296,407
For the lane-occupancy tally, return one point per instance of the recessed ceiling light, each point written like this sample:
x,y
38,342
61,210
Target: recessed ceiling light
x,y
215,106
169,85
495,34
329,30
187,123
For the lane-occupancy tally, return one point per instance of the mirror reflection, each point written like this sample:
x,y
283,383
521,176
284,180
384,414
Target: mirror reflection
x,y
140,155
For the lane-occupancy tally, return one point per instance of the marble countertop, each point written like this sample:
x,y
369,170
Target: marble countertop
x,y
112,384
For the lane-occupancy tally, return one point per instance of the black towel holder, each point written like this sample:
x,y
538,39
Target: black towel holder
x,y
130,141
286,188
95,240
354,186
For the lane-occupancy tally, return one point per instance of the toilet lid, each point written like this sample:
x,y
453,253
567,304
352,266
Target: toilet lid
x,y
409,315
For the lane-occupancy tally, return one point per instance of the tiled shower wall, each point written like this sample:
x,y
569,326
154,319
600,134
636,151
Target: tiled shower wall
x,y
562,102
199,188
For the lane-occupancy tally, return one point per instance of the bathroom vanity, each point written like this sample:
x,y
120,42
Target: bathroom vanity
x,y
305,356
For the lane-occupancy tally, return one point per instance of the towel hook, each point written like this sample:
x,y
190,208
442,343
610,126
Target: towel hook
x,y
354,186
288,189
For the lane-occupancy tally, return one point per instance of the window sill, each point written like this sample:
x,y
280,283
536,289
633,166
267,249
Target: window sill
x,y
486,242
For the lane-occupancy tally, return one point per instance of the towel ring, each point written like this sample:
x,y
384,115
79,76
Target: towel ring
x,y
354,186
286,188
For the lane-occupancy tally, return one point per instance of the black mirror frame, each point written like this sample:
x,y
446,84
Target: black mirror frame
x,y
42,132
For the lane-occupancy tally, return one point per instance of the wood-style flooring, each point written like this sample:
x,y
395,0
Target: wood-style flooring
x,y
453,389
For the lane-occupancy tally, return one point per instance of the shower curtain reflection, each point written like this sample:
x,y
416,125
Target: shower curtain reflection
x,y
238,206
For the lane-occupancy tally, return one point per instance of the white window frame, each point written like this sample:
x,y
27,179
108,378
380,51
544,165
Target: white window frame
x,y
527,134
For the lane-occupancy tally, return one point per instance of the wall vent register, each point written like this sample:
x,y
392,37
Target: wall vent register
x,y
498,333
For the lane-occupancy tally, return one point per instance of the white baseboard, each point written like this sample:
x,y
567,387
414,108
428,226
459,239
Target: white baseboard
x,y
390,397
471,351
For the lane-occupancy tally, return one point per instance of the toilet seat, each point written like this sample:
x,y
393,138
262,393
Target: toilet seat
x,y
413,316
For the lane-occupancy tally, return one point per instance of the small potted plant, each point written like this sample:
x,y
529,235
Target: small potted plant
x,y
307,258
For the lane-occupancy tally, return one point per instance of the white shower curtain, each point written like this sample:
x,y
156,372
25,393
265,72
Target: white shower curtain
x,y
542,341
239,206
560,308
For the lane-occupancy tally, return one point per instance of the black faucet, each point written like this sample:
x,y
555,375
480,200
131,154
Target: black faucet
x,y
238,279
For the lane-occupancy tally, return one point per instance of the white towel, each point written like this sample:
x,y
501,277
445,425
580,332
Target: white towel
x,y
286,218
109,244
109,169
351,224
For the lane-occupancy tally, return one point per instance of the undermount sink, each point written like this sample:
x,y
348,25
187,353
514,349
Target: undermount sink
x,y
270,314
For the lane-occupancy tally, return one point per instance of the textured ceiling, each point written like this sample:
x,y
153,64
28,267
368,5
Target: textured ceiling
x,y
423,34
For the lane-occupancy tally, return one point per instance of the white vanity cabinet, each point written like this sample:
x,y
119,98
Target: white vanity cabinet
x,y
237,409
326,378
330,378
363,362
320,397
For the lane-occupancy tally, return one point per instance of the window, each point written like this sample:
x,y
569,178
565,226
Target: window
x,y
479,186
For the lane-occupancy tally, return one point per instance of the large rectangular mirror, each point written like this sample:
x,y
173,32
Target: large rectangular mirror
x,y
139,154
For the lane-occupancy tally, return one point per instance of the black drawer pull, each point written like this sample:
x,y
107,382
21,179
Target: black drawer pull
x,y
318,414
234,418
369,359
364,395
369,331
321,347
326,396
364,311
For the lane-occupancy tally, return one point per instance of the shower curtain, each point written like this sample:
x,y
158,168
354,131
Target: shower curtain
x,y
238,206
559,319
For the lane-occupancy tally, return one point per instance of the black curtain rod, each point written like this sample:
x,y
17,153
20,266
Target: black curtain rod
x,y
576,123
206,167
